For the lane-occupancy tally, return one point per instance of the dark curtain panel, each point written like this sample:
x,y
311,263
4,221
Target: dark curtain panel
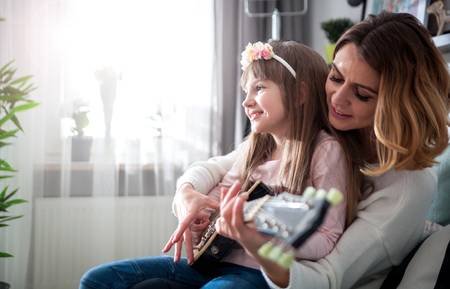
x,y
233,30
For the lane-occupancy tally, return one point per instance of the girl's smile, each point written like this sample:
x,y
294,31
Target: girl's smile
x,y
264,107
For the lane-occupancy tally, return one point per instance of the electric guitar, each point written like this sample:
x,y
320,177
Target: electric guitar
x,y
290,219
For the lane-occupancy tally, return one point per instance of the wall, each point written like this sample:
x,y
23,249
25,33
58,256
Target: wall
x,y
322,10
72,235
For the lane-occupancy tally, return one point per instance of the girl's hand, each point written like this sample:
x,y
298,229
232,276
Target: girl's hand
x,y
231,224
192,209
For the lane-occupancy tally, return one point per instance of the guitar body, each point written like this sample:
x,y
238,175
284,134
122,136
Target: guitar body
x,y
213,247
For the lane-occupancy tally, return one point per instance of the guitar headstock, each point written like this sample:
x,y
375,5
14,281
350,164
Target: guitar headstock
x,y
290,219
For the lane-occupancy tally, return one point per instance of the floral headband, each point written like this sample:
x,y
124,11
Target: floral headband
x,y
264,51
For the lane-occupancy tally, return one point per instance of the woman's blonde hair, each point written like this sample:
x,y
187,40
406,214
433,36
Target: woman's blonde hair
x,y
411,115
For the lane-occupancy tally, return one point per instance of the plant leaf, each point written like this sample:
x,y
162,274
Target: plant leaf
x,y
2,144
3,193
5,255
21,80
8,196
10,218
16,122
16,109
8,134
5,177
14,202
5,166
6,67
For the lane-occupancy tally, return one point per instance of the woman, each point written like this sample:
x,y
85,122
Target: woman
x,y
387,95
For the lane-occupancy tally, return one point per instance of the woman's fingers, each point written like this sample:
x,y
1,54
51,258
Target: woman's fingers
x,y
228,194
238,212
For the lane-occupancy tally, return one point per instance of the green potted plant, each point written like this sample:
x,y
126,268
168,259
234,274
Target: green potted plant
x,y
333,29
81,144
14,94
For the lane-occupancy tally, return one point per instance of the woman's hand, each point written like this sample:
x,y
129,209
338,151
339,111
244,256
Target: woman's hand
x,y
231,224
193,210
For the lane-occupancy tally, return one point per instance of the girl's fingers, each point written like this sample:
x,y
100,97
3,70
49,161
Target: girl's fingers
x,y
211,203
169,244
199,227
188,246
178,247
183,225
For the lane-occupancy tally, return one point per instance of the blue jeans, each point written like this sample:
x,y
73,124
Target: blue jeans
x,y
126,273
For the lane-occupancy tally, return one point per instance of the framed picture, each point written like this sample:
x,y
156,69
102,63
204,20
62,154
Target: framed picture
x,y
415,7
424,10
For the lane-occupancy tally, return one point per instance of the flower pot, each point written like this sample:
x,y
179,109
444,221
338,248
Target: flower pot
x,y
4,285
329,50
81,148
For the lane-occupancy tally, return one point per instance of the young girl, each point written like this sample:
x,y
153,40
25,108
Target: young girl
x,y
288,149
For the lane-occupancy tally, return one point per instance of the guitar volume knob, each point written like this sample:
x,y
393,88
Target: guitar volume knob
x,y
214,250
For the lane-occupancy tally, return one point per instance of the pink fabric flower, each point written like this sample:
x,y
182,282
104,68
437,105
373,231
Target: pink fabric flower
x,y
254,52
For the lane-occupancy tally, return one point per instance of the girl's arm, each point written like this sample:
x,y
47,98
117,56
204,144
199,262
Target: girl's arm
x,y
190,199
389,224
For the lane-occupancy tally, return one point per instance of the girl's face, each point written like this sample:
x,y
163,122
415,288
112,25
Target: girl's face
x,y
264,107
352,90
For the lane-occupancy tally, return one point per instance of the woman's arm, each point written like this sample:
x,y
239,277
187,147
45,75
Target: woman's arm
x,y
389,224
204,175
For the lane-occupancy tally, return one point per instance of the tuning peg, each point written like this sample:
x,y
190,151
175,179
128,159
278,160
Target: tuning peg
x,y
286,260
308,194
320,194
265,249
334,196
275,253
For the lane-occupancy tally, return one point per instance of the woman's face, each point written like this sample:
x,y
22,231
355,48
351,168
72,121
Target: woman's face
x,y
352,90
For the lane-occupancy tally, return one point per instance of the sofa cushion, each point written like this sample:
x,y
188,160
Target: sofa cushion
x,y
430,265
440,208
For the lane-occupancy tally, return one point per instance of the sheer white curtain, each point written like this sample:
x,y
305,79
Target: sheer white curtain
x,y
136,76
